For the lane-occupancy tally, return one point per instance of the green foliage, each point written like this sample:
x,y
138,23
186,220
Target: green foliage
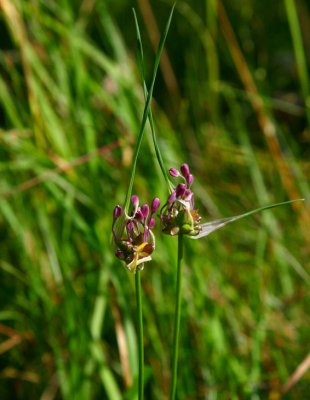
x,y
71,103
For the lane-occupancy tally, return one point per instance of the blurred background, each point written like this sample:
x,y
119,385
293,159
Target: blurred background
x,y
231,100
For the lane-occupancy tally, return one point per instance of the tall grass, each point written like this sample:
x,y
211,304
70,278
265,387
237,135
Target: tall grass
x,y
71,104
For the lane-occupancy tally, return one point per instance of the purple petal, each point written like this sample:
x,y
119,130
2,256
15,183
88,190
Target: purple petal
x,y
134,200
172,197
152,223
185,170
130,227
117,212
180,190
190,179
145,209
155,205
188,194
139,215
174,172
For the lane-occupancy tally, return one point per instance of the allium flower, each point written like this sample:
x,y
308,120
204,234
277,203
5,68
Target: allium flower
x,y
132,234
179,215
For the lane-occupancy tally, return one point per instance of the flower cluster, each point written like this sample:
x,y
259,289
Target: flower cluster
x,y
178,215
132,234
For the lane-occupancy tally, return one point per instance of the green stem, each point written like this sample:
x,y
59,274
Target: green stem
x,y
147,102
140,334
150,115
301,60
177,319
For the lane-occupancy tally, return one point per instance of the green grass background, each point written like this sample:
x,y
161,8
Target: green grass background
x,y
232,100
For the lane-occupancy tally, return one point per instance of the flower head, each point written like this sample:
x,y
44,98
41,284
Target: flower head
x,y
132,234
178,215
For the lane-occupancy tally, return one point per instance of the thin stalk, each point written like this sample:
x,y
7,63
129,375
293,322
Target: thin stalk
x,y
150,115
301,60
152,125
147,109
177,319
140,335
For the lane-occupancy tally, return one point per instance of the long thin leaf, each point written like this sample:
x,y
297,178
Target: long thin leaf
x,y
212,226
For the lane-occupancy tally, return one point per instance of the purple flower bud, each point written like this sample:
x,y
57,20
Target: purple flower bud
x,y
185,170
117,212
174,172
190,179
188,194
134,200
120,254
152,223
172,197
145,209
130,227
138,214
180,190
155,205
